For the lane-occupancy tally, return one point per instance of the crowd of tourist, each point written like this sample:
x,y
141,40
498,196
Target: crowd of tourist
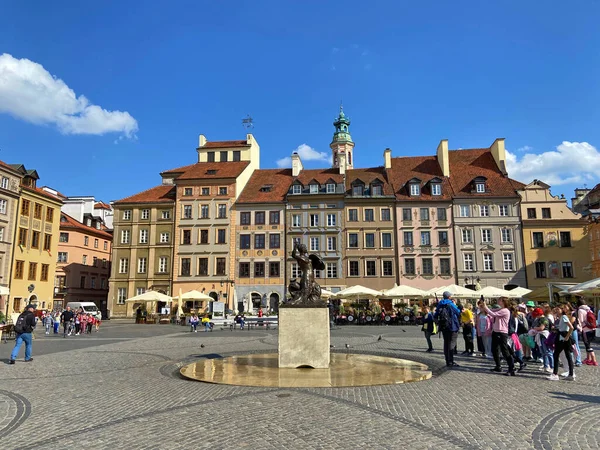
x,y
520,333
73,322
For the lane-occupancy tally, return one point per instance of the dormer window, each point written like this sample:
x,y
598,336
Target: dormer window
x,y
436,189
314,188
376,190
480,187
330,188
296,189
415,189
357,190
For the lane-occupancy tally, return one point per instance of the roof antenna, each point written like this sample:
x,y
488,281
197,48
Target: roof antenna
x,y
248,122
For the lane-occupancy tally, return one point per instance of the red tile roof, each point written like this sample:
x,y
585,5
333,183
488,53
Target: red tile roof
x,y
424,168
71,223
225,144
157,194
58,194
43,193
466,165
102,205
367,176
517,184
274,183
209,171
320,175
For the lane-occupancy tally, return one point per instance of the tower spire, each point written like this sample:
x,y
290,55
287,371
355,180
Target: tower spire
x,y
342,145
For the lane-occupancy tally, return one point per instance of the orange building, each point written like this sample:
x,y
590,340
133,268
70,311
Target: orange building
x,y
594,237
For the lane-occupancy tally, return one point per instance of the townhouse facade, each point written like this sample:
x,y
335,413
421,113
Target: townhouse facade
x,y
556,242
593,232
142,252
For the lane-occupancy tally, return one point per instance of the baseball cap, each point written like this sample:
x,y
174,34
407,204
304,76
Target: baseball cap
x,y
447,294
530,304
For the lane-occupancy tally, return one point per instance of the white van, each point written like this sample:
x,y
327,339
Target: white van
x,y
88,308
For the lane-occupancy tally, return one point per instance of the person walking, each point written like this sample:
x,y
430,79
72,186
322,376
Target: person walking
x,y
564,343
484,331
428,327
447,317
587,321
500,336
48,322
56,322
66,318
466,319
24,329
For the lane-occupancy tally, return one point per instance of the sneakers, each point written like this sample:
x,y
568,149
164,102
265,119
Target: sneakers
x,y
496,369
429,350
521,367
29,360
566,375
11,361
546,369
553,378
570,378
472,354
510,373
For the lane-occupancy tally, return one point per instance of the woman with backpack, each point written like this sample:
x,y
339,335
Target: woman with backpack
x,y
564,343
587,321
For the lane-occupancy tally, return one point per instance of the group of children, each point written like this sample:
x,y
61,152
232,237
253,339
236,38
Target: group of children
x,y
82,323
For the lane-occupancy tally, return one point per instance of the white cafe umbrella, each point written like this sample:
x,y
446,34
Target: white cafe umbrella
x,y
179,306
150,296
357,292
404,291
456,291
587,287
195,295
519,292
494,292
326,294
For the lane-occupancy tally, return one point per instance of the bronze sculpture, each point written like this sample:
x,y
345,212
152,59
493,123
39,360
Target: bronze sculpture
x,y
306,292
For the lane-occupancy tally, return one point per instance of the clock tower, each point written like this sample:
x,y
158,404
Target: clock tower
x,y
342,146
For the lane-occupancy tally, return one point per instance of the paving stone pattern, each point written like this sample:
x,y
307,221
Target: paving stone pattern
x,y
120,389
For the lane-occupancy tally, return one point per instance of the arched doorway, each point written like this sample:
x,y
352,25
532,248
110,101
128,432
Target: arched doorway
x,y
256,299
214,296
274,302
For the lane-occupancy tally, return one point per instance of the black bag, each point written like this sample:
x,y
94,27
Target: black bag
x,y
20,325
522,326
444,318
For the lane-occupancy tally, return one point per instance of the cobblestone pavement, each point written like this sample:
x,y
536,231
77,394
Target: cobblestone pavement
x,y
120,389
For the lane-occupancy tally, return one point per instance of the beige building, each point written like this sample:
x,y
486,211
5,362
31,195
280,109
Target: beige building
x,y
556,242
35,253
10,182
142,255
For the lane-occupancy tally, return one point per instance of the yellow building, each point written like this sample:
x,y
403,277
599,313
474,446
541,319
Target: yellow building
x,y
554,239
36,245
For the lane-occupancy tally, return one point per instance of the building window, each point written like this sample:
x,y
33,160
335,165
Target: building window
x,y
164,238
546,213
259,269
436,189
480,188
445,266
296,220
415,189
221,236
45,271
274,217
187,211
245,218
331,244
443,237
376,190
370,270
406,214
274,269
369,240
465,211
4,183
353,215
296,189
353,269
127,214
486,236
488,262
441,214
538,239
3,204
37,211
540,270
567,269
295,271
507,260
93,283
259,241
314,244
331,220
204,212
357,191
185,266
503,209
369,216
121,296
244,269
506,235
387,268
425,238
1,234
94,261
220,266
22,237
531,214
163,264
332,270
314,220
424,213
223,190
330,188
123,265
35,239
386,240
210,156
105,245
203,267
409,266
352,240
102,283
95,243
245,241
19,267
143,236
565,238
259,218
313,188
237,156
204,236
142,265
25,207
146,213
62,257
84,260
165,214
274,240
47,242
408,238
427,266
223,156
186,237
386,215
468,262
484,210
140,290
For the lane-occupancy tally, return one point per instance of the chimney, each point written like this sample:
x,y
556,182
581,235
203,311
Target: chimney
x,y
296,164
342,162
443,158
499,154
201,140
387,158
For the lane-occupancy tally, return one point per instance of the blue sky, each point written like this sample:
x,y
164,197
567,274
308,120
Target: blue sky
x,y
157,74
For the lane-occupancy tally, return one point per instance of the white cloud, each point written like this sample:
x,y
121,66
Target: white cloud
x,y
29,92
307,153
525,148
572,162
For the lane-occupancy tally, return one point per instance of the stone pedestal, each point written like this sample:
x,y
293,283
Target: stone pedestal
x,y
303,338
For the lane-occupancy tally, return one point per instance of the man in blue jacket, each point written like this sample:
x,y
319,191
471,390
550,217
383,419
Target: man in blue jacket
x,y
447,316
